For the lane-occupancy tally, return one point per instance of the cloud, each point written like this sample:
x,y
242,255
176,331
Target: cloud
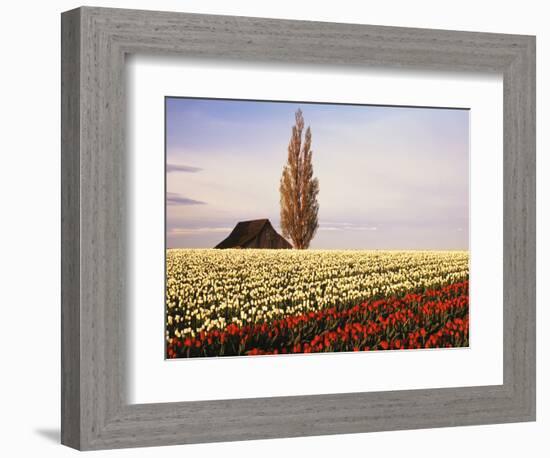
x,y
176,199
181,168
346,227
198,230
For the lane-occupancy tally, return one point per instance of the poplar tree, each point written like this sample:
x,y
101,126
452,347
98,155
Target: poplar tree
x,y
299,189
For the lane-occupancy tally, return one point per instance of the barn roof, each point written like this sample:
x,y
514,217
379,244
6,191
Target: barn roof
x,y
243,232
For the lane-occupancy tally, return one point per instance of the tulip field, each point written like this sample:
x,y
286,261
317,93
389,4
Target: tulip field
x,y
239,302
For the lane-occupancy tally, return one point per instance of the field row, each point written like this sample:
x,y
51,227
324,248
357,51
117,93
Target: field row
x,y
435,319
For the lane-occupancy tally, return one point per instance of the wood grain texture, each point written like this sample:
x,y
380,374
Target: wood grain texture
x,y
95,410
70,229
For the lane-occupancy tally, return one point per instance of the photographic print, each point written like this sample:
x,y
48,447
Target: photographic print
x,y
302,227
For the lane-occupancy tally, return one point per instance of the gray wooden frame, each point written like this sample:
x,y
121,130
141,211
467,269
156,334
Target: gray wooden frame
x,y
95,413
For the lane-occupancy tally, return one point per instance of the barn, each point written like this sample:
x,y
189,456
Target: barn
x,y
258,233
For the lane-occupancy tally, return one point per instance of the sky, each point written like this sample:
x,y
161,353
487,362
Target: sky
x,y
389,177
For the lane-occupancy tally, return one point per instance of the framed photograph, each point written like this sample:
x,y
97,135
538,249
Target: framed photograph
x,y
334,238
277,228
